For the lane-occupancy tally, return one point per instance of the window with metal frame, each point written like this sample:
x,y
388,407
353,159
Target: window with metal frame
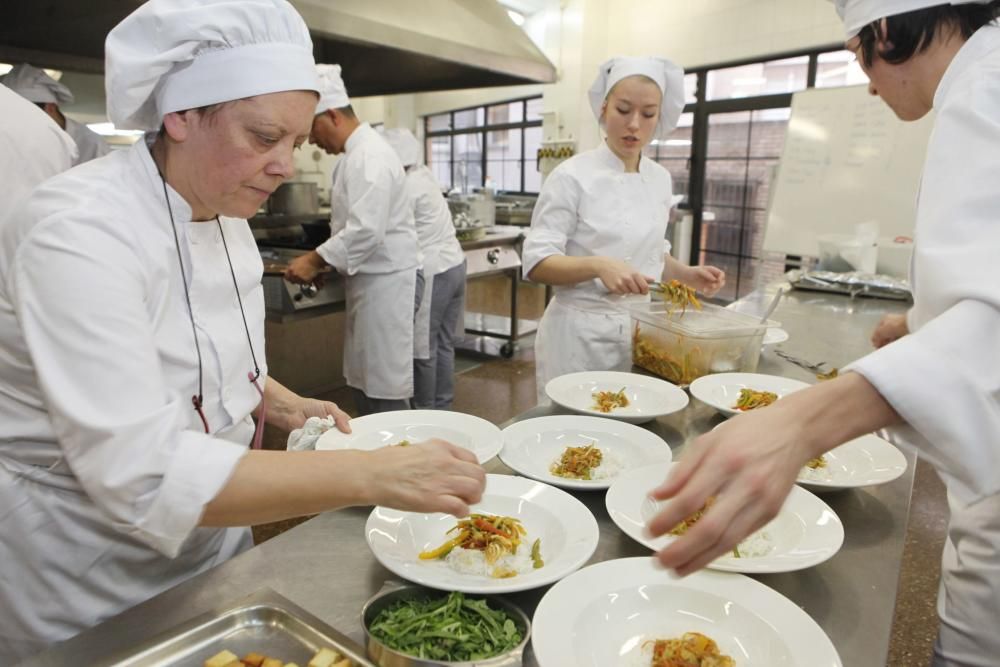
x,y
726,148
497,142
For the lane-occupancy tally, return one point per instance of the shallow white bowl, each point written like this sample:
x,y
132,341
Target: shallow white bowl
x,y
567,529
722,390
479,436
806,531
648,397
533,445
605,614
865,461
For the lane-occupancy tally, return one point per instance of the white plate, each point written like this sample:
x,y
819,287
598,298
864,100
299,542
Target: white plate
x,y
387,428
648,397
775,335
605,613
806,531
532,446
722,390
567,529
865,461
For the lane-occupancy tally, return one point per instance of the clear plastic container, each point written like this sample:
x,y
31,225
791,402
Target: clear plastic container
x,y
682,346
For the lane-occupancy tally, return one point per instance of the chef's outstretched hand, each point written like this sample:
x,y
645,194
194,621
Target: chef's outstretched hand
x,y
305,269
748,465
705,279
621,278
431,476
889,329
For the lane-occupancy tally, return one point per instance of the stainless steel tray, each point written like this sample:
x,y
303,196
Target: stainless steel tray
x,y
264,622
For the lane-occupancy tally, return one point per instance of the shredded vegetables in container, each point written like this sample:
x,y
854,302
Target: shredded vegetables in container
x,y
679,369
578,462
816,463
693,649
751,399
453,629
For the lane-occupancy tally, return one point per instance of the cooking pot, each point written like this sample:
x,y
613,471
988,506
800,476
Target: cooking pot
x,y
294,198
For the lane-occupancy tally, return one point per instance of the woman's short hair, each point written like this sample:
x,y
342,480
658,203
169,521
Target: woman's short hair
x,y
912,32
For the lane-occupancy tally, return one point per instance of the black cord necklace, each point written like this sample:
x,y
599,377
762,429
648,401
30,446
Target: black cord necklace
x,y
198,399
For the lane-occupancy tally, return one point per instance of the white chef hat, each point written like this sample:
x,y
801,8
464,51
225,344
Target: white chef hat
x,y
332,92
172,55
36,86
405,144
668,76
856,14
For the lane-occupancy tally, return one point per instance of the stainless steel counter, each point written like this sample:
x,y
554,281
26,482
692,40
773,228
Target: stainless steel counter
x,y
325,566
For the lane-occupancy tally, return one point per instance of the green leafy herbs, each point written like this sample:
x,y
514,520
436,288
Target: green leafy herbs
x,y
451,629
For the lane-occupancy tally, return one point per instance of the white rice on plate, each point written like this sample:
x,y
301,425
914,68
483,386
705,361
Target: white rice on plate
x,y
755,545
473,561
823,474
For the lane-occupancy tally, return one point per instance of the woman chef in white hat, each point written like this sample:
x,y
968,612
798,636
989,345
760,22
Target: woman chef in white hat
x,y
935,378
598,230
132,336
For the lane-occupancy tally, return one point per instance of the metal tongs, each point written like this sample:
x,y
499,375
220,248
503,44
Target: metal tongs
x,y
817,369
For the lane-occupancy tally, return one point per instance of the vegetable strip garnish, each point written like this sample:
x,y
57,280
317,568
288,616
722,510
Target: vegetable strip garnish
x,y
453,629
495,536
693,649
578,462
606,401
751,399
679,295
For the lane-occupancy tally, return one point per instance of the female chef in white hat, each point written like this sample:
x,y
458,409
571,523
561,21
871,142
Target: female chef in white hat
x,y
132,284
441,306
598,230
938,383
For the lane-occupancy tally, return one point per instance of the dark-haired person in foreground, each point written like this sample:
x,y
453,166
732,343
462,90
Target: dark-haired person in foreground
x,y
935,379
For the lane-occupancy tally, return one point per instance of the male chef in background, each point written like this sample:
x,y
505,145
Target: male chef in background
x,y
36,86
373,245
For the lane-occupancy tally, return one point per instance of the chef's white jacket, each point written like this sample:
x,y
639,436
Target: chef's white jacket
x,y
90,144
589,206
105,468
371,221
944,377
435,229
32,148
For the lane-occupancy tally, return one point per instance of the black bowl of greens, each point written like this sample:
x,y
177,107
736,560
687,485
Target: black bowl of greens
x,y
413,626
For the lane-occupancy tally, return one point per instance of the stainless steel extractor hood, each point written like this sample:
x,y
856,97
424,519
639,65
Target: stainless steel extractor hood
x,y
385,46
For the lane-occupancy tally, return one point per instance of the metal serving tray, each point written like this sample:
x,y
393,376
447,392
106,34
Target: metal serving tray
x,y
264,622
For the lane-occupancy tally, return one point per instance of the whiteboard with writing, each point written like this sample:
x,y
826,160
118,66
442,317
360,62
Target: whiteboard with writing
x,y
847,159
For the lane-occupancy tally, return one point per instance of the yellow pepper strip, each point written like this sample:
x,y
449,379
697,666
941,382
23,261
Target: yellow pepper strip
x,y
445,548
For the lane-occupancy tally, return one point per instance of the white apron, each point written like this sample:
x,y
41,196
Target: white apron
x,y
422,323
378,349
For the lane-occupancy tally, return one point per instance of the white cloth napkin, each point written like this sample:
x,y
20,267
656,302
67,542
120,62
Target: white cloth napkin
x,y
304,439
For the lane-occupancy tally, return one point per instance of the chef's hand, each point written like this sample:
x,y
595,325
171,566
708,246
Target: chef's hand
x,y
431,476
293,413
890,328
305,269
705,279
749,464
621,278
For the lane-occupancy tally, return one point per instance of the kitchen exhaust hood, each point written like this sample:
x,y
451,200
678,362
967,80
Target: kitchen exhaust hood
x,y
385,46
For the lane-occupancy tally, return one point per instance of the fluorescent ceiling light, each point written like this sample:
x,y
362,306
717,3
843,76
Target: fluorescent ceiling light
x,y
109,130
